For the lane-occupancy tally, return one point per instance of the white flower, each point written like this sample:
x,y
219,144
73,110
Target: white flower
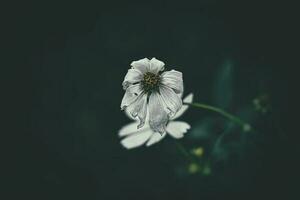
x,y
135,137
149,90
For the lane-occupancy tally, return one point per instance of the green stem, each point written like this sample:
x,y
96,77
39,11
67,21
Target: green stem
x,y
244,125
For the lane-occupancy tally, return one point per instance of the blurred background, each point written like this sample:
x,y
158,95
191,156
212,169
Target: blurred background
x,y
63,99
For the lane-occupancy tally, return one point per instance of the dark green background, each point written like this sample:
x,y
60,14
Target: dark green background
x,y
63,105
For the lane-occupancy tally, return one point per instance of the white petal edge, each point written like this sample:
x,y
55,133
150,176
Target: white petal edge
x,y
139,109
155,138
131,95
142,65
158,116
135,119
129,115
156,66
132,76
177,129
137,139
131,128
173,79
172,101
187,99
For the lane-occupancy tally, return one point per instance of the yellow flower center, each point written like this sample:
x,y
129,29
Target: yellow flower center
x,y
150,81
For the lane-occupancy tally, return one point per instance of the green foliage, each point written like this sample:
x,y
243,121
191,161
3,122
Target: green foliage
x,y
223,138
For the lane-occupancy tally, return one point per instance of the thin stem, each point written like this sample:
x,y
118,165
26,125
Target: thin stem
x,y
244,125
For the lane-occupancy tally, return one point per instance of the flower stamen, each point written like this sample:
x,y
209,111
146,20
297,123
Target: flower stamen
x,y
150,82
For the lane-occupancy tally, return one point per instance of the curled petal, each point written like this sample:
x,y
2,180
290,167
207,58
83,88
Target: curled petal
x,y
132,76
172,101
158,116
187,99
142,65
129,115
137,139
155,138
156,66
177,129
173,79
139,109
131,95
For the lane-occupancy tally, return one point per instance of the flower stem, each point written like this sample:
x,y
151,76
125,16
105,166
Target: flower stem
x,y
244,125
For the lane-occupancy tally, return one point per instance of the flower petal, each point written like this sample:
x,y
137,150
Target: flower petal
x,y
156,66
142,65
129,115
187,99
136,139
173,79
132,76
139,109
128,129
155,138
131,128
177,129
171,99
131,95
158,116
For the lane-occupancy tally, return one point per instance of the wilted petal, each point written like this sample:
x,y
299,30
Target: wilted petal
x,y
136,139
132,76
131,95
158,116
173,79
141,65
177,129
139,109
129,115
187,99
156,66
155,137
171,99
130,129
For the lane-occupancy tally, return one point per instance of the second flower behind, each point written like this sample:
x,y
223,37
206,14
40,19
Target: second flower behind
x,y
134,137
